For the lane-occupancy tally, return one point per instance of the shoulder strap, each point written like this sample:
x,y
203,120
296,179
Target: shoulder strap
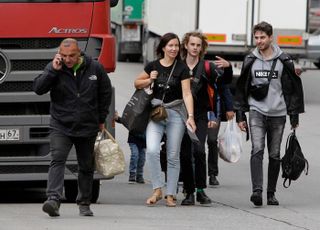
x,y
174,65
272,69
196,85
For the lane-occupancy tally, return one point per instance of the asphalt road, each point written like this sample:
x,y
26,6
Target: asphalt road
x,y
121,205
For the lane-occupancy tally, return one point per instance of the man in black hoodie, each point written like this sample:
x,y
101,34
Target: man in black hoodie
x,y
267,65
80,92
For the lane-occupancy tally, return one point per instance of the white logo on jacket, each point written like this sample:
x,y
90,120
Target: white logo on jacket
x,y
93,78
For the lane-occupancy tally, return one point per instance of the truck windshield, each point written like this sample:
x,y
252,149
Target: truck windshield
x,y
47,1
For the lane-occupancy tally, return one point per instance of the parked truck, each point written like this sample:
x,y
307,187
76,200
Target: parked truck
x,y
227,24
30,33
127,26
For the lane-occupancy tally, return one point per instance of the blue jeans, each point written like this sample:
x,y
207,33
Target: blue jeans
x,y
60,146
260,126
174,128
137,160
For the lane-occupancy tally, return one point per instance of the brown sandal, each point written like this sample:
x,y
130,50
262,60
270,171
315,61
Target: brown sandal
x,y
170,201
154,198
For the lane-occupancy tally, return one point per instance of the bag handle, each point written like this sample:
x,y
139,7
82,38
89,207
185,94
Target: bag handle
x,y
285,184
105,135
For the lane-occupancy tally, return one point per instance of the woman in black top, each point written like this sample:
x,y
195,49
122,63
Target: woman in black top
x,y
174,94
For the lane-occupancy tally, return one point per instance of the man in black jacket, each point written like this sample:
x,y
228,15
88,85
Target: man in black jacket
x,y
80,92
267,114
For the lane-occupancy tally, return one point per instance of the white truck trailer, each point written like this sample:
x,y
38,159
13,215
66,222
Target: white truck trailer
x,y
227,24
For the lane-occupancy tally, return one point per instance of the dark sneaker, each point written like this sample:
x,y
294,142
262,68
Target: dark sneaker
x,y
140,180
203,199
51,207
84,210
213,181
256,198
272,200
189,200
132,179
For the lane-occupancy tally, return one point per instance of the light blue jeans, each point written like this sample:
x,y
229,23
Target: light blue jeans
x,y
174,128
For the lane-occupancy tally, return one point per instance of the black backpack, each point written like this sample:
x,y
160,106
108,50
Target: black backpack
x,y
293,162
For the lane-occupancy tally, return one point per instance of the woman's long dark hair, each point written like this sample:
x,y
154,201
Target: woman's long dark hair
x,y
164,41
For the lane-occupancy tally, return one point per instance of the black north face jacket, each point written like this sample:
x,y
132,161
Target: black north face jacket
x,y
78,103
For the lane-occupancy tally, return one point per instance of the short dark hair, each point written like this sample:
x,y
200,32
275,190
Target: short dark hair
x,y
164,41
264,27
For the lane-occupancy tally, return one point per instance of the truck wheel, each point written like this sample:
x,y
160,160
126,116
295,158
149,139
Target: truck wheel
x,y
134,57
71,191
317,64
120,57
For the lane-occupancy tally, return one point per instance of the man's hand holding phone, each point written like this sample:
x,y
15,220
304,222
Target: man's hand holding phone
x,y
57,62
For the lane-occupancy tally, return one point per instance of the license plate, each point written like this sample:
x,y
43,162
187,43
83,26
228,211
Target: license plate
x,y
9,134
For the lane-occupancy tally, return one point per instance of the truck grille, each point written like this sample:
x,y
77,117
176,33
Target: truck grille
x,y
24,150
17,169
30,43
31,108
23,65
41,132
21,86
14,169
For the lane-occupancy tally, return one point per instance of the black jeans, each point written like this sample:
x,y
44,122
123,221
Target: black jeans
x,y
213,150
260,126
193,159
60,146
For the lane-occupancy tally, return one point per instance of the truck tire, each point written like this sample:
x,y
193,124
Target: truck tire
x,y
71,191
317,64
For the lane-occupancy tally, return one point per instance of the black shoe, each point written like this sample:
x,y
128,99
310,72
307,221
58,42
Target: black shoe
x,y
189,200
272,200
203,199
256,198
140,180
84,210
51,207
213,180
132,179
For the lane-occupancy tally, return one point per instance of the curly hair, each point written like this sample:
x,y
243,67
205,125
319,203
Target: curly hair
x,y
186,39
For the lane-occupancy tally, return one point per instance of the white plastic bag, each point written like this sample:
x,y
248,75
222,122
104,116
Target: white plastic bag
x,y
230,142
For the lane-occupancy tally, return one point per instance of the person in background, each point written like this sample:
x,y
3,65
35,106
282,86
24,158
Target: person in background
x,y
81,94
137,144
226,106
176,95
267,115
193,48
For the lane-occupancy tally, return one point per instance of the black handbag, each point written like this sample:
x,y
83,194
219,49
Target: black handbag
x,y
135,116
260,91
